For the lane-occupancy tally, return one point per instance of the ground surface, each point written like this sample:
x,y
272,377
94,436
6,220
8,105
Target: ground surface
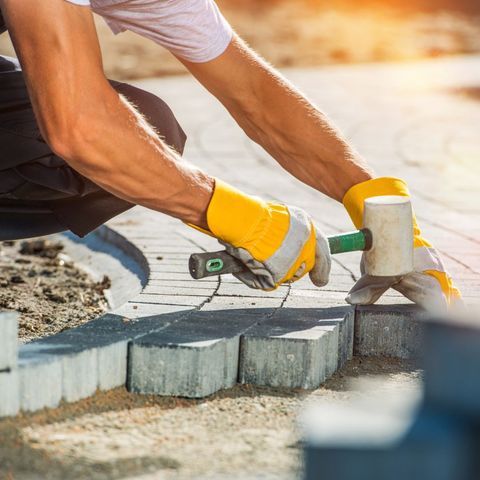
x,y
293,33
235,434
42,283
418,121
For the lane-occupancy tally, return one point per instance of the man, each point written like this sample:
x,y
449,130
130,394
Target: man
x,y
87,148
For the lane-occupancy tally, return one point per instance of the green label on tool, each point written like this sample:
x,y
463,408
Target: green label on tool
x,y
214,265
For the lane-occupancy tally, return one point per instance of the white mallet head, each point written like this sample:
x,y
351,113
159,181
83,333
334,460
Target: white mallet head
x,y
390,220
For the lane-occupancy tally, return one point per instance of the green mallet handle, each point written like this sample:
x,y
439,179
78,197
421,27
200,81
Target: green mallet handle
x,y
203,265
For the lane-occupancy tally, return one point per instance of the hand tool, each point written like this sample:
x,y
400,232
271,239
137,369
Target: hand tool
x,y
386,239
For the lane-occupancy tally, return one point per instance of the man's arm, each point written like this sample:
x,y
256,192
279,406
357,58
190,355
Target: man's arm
x,y
87,123
279,118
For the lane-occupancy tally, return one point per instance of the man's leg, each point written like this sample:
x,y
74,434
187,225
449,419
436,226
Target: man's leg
x,y
32,175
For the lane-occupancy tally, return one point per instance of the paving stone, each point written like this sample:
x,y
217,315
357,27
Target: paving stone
x,y
279,356
350,443
92,356
135,310
325,299
185,276
105,252
296,348
9,393
451,358
247,303
178,290
186,300
40,377
241,290
193,358
8,340
170,268
189,283
393,331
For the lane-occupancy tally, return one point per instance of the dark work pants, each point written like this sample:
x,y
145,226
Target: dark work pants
x,y
34,179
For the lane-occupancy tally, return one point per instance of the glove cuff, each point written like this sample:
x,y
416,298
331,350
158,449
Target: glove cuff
x,y
355,197
246,221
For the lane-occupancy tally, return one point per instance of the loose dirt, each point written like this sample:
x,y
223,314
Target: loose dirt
x,y
51,293
242,432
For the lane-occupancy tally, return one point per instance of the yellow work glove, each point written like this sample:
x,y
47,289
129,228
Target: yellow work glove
x,y
277,244
429,285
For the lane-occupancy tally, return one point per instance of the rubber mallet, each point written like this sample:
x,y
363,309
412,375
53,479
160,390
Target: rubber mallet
x,y
386,239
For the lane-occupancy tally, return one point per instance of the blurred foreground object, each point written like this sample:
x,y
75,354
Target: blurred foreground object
x,y
403,438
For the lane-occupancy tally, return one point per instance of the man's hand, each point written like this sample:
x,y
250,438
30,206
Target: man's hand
x,y
429,285
277,244
86,122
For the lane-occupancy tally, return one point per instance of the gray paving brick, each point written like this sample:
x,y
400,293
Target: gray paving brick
x,y
8,340
241,290
296,347
9,393
169,268
135,310
280,357
388,330
186,300
317,299
210,283
91,356
112,365
40,377
228,303
194,357
168,289
178,276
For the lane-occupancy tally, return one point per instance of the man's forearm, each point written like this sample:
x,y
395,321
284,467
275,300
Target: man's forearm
x,y
278,117
302,139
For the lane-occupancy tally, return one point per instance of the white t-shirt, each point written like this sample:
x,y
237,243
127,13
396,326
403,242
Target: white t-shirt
x,y
194,30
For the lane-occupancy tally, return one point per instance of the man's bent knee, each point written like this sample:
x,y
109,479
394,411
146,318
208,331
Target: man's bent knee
x,y
158,114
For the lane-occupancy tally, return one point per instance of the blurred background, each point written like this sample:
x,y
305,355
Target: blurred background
x,y
291,33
